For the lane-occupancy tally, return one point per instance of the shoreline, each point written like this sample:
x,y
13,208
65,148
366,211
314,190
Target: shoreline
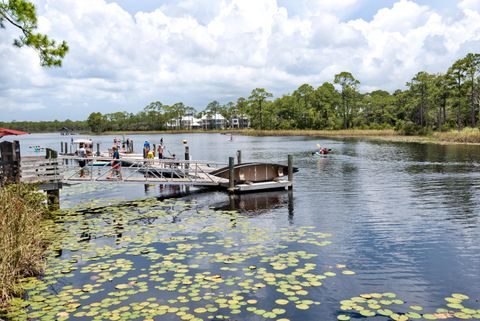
x,y
386,135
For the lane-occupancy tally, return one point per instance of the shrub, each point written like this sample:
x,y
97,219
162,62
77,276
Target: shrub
x,y
409,128
22,239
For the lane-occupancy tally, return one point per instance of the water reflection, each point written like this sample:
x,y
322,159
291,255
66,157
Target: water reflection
x,y
257,203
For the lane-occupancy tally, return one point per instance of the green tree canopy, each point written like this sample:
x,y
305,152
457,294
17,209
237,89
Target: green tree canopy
x,y
22,14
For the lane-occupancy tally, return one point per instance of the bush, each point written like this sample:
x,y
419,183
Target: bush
x,y
409,128
22,239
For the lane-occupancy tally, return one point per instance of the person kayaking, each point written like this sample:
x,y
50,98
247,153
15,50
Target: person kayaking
x,y
324,151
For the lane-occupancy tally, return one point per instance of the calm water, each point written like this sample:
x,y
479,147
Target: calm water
x,y
403,217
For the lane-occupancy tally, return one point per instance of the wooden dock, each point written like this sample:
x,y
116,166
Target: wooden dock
x,y
49,172
158,171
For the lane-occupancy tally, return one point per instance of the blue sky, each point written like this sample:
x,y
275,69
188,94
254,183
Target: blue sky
x,y
125,54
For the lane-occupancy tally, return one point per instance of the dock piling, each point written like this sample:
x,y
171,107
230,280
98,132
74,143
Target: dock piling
x,y
231,174
61,147
239,156
187,155
53,199
65,148
290,171
98,149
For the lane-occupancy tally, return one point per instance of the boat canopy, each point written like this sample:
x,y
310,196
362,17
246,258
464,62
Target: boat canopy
x,y
82,141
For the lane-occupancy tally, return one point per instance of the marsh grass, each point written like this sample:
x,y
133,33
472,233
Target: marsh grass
x,y
22,237
467,135
321,133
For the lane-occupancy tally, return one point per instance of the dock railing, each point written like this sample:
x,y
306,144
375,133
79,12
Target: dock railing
x,y
162,171
40,170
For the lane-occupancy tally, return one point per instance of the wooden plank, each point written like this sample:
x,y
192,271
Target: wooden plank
x,y
41,171
263,186
34,179
39,164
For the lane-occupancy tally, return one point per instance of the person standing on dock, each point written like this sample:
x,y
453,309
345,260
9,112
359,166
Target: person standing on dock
x,y
160,150
146,148
116,164
82,153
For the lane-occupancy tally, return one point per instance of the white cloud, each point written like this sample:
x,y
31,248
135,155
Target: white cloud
x,y
473,5
221,49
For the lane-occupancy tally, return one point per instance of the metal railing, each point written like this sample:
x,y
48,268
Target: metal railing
x,y
162,171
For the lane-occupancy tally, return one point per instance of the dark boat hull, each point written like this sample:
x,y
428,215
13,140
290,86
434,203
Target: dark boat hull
x,y
254,172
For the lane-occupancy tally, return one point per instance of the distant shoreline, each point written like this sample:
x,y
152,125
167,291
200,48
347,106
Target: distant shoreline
x,y
465,137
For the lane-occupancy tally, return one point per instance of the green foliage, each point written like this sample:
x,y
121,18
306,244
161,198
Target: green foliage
x,y
430,102
46,126
22,15
22,238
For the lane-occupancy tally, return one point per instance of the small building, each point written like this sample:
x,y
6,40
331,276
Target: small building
x,y
188,121
66,131
213,121
240,121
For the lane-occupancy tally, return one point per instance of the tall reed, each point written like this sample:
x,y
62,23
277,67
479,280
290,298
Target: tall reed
x,y
466,135
23,238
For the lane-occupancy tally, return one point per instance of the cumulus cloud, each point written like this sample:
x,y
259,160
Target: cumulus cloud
x,y
197,51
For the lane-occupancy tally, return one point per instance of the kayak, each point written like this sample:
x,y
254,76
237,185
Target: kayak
x,y
325,153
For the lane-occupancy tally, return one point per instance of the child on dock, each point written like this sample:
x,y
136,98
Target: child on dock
x,y
116,165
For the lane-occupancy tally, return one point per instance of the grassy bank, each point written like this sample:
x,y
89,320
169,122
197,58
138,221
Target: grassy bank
x,y
22,238
465,136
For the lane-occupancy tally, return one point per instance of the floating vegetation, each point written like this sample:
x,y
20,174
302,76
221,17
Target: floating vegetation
x,y
150,259
388,306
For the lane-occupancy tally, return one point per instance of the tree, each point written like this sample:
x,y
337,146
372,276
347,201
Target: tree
x,y
22,15
471,67
440,94
257,101
456,76
349,87
96,122
303,107
378,108
327,100
419,87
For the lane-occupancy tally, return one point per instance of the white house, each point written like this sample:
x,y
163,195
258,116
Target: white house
x,y
215,121
240,121
185,122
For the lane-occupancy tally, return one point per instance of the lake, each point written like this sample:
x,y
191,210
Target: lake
x,y
375,230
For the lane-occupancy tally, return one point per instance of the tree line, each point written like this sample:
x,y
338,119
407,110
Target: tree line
x,y
440,101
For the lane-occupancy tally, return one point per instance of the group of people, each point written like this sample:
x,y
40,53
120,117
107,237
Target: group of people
x,y
125,146
149,152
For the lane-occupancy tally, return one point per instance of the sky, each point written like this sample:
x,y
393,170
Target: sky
x,y
125,54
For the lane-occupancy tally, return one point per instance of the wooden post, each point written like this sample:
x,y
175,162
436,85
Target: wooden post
x,y
98,149
53,199
53,195
50,153
187,155
290,171
239,156
61,148
10,156
290,206
231,174
66,148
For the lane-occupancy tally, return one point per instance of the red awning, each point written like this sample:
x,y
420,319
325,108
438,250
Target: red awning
x,y
6,132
